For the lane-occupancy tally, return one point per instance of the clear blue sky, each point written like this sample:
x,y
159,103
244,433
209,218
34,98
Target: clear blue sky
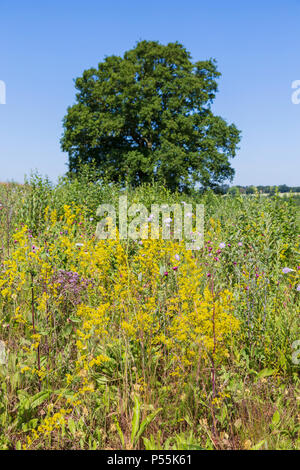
x,y
45,44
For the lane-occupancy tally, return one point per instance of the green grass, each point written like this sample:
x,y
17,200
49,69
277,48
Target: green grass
x,y
257,400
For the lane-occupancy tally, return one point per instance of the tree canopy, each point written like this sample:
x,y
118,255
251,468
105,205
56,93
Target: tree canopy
x,y
147,117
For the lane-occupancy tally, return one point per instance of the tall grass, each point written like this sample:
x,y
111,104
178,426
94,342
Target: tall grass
x,y
121,344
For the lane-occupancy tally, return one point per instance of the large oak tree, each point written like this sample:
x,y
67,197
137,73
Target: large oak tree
x,y
147,117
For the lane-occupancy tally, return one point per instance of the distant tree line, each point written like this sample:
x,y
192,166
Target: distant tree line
x,y
282,188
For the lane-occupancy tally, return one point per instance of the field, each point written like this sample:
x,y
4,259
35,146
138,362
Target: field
x,y
123,344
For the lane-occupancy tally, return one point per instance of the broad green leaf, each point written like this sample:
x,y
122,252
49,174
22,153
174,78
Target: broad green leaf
x,y
265,373
276,418
39,398
30,425
121,435
75,319
145,423
18,445
72,426
135,418
258,445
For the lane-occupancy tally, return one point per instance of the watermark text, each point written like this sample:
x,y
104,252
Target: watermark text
x,y
2,92
178,221
296,93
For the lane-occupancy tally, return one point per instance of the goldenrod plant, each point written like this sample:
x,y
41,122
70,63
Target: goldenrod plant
x,y
145,344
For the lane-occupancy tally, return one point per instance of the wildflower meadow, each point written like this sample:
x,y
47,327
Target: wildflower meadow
x,y
145,344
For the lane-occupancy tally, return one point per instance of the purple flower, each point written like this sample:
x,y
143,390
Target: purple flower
x,y
298,287
175,268
240,244
166,273
222,245
287,270
177,257
71,285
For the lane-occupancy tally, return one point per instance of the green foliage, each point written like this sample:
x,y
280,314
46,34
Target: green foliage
x,y
257,388
138,427
146,117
